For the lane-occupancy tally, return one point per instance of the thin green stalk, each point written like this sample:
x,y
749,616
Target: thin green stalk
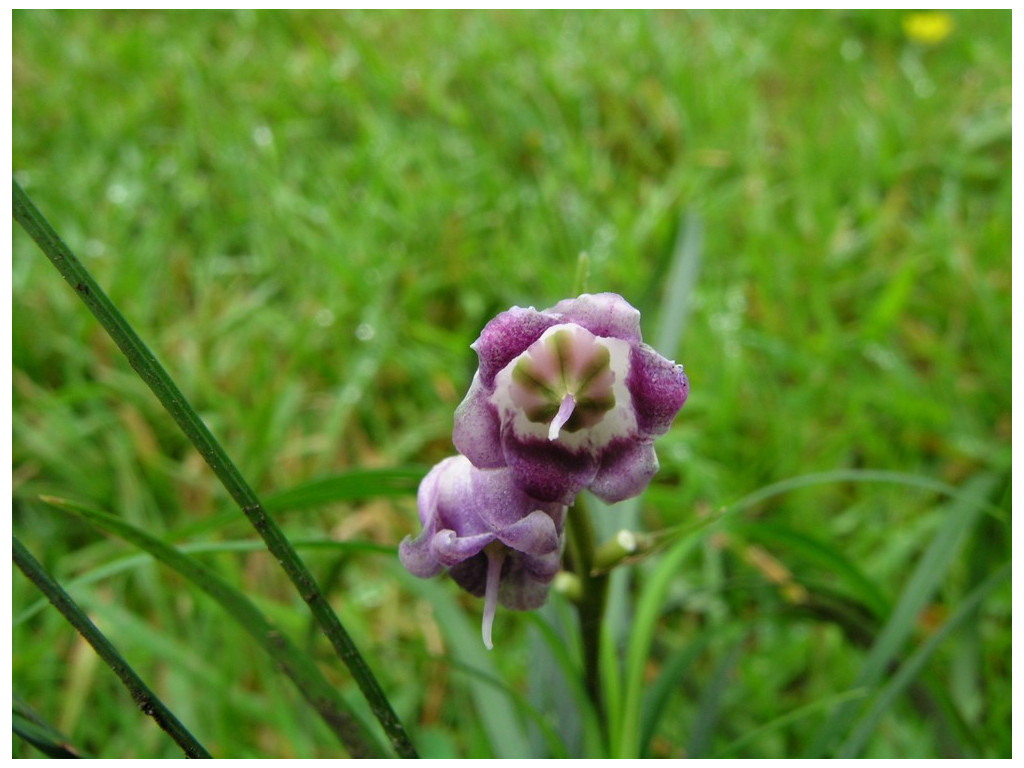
x,y
147,701
150,370
591,606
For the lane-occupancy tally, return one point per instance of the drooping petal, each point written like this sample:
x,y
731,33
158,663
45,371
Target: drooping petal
x,y
603,314
659,388
453,480
476,433
526,580
426,496
418,556
535,534
626,469
450,548
479,512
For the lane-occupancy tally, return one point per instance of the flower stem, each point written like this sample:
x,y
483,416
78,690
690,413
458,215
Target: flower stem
x,y
582,545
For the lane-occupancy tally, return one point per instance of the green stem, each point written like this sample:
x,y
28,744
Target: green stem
x,y
147,701
582,545
150,370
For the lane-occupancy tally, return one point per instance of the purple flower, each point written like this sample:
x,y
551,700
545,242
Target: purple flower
x,y
496,541
569,398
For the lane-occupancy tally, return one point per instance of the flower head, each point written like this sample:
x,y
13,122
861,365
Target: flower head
x,y
496,541
569,398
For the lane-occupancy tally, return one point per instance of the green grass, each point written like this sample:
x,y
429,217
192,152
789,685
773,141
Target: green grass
x,y
309,217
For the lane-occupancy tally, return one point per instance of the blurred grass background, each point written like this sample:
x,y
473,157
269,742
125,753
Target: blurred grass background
x,y
310,216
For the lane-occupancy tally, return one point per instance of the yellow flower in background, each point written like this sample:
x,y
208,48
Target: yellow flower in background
x,y
928,27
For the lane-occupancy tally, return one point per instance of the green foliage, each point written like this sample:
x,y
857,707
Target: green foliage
x,y
309,216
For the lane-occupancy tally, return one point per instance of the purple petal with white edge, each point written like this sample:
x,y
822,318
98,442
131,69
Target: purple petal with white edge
x,y
418,557
505,337
547,471
626,470
603,314
476,434
451,549
659,388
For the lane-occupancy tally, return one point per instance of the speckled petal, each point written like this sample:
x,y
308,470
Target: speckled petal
x,y
603,314
476,433
659,389
506,336
626,469
547,471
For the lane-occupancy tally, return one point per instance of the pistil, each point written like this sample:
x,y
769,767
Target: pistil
x,y
564,414
495,553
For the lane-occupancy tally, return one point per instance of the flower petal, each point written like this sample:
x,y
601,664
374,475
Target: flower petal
x,y
451,549
545,470
534,534
603,314
659,389
418,557
522,593
626,469
501,505
476,435
506,336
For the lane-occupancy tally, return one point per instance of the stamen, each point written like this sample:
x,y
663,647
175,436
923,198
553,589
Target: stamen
x,y
564,414
495,553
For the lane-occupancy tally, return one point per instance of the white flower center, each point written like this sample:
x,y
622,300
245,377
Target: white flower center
x,y
570,386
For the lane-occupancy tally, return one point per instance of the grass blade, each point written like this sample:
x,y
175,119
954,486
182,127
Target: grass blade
x,y
821,554
122,564
306,676
795,716
29,725
658,695
349,486
933,566
172,399
709,708
857,740
859,476
147,701
570,683
627,737
492,706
